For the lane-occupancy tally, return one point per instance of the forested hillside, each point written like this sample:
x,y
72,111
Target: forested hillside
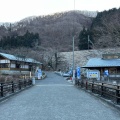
x,y
43,37
28,40
55,31
106,29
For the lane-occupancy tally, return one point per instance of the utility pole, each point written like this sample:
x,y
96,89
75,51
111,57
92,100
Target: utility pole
x,y
73,77
89,41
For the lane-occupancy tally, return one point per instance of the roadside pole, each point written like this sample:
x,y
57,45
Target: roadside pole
x,y
73,77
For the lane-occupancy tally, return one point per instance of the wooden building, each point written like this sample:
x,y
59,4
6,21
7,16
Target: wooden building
x,y
11,64
110,62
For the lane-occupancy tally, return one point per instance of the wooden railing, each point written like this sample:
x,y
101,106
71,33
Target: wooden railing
x,y
106,90
11,87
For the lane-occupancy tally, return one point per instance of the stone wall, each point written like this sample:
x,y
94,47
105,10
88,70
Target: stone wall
x,y
81,57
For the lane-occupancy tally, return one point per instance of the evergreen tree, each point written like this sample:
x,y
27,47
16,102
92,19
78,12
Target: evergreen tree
x,y
27,40
85,39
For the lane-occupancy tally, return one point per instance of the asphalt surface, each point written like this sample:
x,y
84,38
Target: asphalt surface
x,y
54,98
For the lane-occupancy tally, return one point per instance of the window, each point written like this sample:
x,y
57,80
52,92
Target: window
x,y
17,65
4,65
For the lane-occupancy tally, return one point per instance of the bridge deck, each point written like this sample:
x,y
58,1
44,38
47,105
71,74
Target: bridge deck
x,y
56,99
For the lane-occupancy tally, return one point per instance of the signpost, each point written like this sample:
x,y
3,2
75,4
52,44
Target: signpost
x,y
39,73
106,72
93,74
78,73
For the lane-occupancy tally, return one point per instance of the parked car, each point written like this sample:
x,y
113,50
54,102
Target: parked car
x,y
67,74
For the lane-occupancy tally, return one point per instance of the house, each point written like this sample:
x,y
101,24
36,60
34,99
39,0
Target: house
x,y
11,64
108,62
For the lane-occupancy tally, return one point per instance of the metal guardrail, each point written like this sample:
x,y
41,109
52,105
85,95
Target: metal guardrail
x,y
105,90
12,87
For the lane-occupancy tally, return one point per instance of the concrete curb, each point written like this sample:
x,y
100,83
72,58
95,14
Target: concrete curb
x,y
58,73
44,76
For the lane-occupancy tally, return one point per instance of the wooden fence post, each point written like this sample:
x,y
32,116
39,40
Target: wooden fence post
x,y
86,85
25,83
19,84
30,81
92,86
102,89
2,94
117,94
12,87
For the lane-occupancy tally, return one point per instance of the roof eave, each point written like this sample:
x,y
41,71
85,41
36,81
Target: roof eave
x,y
97,66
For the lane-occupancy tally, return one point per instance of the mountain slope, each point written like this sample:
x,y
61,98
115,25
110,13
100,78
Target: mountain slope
x,y
106,29
56,30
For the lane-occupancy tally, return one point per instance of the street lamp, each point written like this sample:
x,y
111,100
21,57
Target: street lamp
x,y
73,64
73,77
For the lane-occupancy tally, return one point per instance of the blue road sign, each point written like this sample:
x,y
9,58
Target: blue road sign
x,y
78,73
106,72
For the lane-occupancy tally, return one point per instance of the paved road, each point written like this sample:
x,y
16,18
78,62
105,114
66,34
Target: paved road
x,y
56,99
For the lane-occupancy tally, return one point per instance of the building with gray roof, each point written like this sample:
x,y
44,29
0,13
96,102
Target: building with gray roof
x,y
14,64
105,63
109,62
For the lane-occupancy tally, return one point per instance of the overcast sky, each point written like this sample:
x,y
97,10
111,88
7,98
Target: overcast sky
x,y
15,10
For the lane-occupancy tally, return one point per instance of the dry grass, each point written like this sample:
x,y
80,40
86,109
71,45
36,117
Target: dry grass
x,y
9,78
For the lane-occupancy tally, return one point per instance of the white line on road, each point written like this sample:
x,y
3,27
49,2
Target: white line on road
x,y
54,85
